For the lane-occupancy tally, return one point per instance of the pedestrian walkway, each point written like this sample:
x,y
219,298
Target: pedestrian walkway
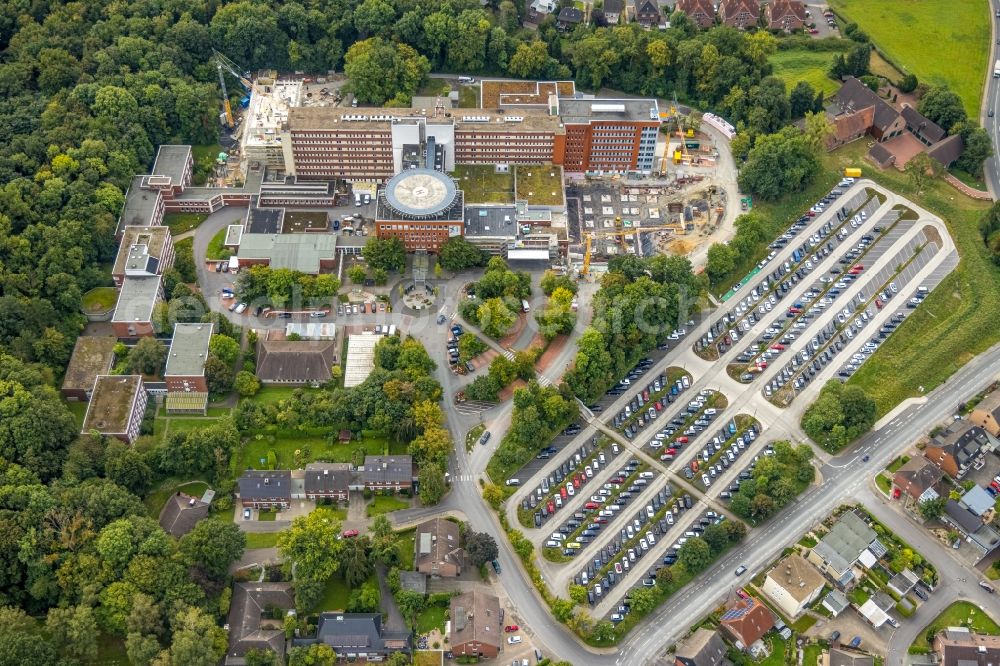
x,y
966,190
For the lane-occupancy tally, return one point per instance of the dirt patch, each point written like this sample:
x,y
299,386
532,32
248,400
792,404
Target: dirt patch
x,y
550,353
484,359
515,332
933,235
508,392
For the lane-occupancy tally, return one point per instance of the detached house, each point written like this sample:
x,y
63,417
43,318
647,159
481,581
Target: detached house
x,y
793,584
837,552
475,629
703,648
917,480
740,14
250,624
437,548
647,14
957,646
986,415
701,12
746,622
959,447
787,15
614,10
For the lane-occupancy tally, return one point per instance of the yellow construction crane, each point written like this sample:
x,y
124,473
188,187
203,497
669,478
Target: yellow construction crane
x,y
620,232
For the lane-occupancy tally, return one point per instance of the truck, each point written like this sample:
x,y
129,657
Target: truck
x,y
996,70
852,172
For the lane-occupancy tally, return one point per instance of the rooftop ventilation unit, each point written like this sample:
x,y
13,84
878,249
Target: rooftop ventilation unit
x,y
608,108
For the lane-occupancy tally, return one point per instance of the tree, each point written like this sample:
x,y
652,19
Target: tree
x,y
317,654
213,547
779,163
74,629
932,509
493,495
978,149
197,640
261,657
665,576
147,356
141,650
643,600
380,71
357,273
458,254
385,253
721,260
224,348
365,599
495,318
604,631
218,375
695,555
410,604
942,106
480,548
908,83
432,484
354,561
246,384
921,167
801,99
311,543
839,415
127,467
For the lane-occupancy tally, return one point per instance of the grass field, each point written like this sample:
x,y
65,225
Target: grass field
x,y
481,184
404,548
941,41
385,504
335,595
79,411
99,299
262,539
811,655
428,658
310,446
204,159
215,249
809,66
272,395
538,184
178,223
956,322
468,97
959,614
155,500
431,618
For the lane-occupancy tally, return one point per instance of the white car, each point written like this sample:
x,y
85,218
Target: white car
x,y
513,640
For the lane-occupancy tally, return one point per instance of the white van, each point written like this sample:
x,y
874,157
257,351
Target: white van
x,y
513,482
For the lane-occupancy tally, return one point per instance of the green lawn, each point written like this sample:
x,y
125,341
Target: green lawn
x,y
215,249
958,319
272,395
99,299
802,624
385,504
897,463
335,595
883,483
812,655
312,446
204,160
941,41
471,437
792,66
541,185
156,498
79,411
481,184
404,549
262,539
777,656
178,223
428,658
267,516
468,97
959,614
431,618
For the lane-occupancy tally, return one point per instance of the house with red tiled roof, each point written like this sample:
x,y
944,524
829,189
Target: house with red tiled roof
x,y
740,14
787,15
746,622
701,12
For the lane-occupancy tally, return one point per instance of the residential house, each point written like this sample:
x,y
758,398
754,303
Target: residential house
x,y
250,624
787,15
569,18
850,126
874,614
986,415
702,648
187,385
903,582
358,637
925,129
182,512
881,156
837,552
647,14
329,481
143,252
793,584
959,447
137,298
93,355
614,10
839,656
746,622
701,12
740,14
854,96
475,629
438,552
957,646
117,406
917,480
948,151
388,473
979,502
975,530
266,489
296,362
538,10
836,602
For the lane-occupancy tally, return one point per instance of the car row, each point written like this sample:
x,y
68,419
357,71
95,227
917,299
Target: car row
x,y
648,404
721,453
568,478
686,426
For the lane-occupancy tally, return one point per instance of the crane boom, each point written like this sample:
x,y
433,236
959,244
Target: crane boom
x,y
225,98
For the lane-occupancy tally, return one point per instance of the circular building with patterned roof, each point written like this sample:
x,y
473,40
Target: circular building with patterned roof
x,y
420,193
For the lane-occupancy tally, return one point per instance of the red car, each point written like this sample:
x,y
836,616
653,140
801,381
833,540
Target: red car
x,y
552,506
857,267
602,521
618,479
349,533
794,311
778,347
511,628
562,491
809,213
645,395
671,451
576,481
659,406
694,465
683,439
591,505
878,303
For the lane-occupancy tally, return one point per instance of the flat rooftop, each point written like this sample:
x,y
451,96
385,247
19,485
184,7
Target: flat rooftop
x,y
503,94
154,238
584,111
111,404
139,205
188,350
360,358
300,252
264,220
136,299
172,160
268,111
490,221
92,356
298,221
348,118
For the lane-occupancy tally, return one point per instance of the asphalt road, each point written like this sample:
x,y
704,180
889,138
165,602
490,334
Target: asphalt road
x,y
991,102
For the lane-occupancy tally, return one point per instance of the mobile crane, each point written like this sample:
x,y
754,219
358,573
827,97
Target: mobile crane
x,y
224,63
